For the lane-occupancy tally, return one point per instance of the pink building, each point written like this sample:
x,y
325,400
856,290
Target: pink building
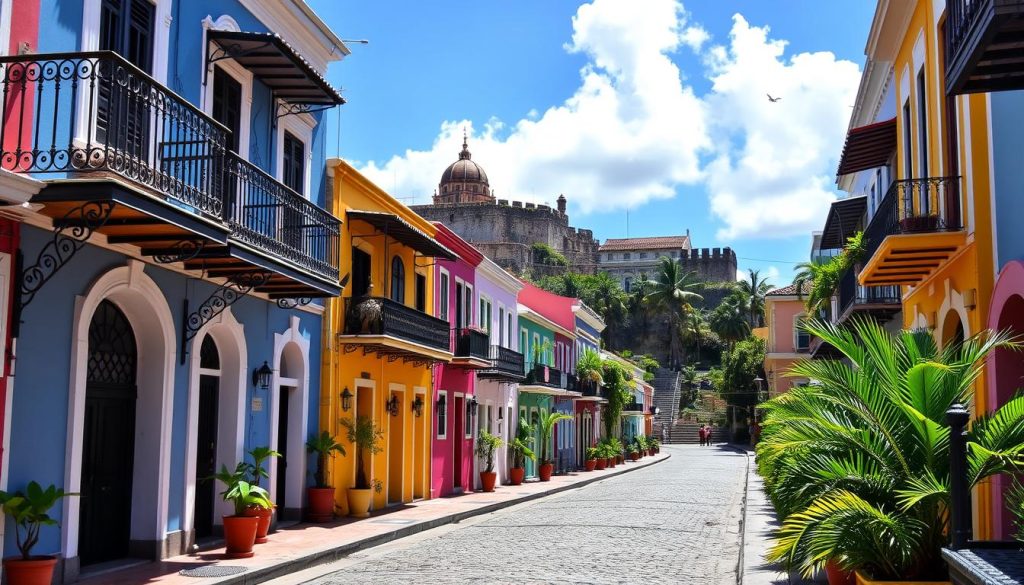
x,y
786,343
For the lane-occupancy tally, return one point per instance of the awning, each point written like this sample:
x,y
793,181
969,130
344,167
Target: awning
x,y
843,219
404,232
868,147
274,62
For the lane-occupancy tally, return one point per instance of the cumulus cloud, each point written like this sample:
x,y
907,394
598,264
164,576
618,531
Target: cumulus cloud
x,y
634,130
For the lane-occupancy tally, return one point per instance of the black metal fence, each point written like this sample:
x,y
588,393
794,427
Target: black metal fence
x,y
851,293
470,343
633,406
507,364
381,316
542,375
589,388
910,206
961,15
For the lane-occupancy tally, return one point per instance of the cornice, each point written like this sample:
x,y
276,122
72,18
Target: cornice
x,y
342,170
499,276
302,28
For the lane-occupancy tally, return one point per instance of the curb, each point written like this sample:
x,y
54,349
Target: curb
x,y
740,563
306,561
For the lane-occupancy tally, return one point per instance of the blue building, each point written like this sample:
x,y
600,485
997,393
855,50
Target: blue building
x,y
167,319
586,410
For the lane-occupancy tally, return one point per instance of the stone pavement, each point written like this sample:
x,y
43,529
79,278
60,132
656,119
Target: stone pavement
x,y
677,522
299,547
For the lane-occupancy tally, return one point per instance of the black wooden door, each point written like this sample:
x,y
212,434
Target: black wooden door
x,y
227,109
360,273
109,438
206,455
123,110
294,175
282,444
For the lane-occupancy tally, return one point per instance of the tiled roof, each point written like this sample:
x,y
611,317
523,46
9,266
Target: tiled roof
x,y
658,243
789,290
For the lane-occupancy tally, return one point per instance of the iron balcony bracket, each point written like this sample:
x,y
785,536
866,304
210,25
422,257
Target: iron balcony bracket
x,y
231,51
182,251
70,233
223,297
291,303
290,109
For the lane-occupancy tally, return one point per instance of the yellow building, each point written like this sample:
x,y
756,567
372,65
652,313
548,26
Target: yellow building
x,y
931,232
384,339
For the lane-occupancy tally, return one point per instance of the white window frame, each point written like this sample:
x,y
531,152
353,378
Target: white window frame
x,y
467,421
502,324
300,126
486,317
444,299
534,351
442,430
470,304
796,332
240,74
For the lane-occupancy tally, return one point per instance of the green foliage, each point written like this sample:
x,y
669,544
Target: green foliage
x,y
857,465
627,353
30,511
540,352
367,437
588,367
257,471
639,444
239,491
486,443
754,290
729,319
325,447
593,453
547,427
617,381
548,256
674,291
521,445
825,276
601,292
739,368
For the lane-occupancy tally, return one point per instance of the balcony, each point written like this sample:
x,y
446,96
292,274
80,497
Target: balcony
x,y
915,229
471,349
983,46
633,407
590,390
130,159
393,330
541,379
506,365
880,302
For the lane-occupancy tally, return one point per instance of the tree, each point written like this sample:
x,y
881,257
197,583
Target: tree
x,y
729,319
638,308
604,295
674,291
755,289
805,272
694,326
742,364
617,384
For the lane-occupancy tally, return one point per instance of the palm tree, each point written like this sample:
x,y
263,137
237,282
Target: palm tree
x,y
805,272
755,288
606,297
637,296
729,319
694,327
673,291
858,464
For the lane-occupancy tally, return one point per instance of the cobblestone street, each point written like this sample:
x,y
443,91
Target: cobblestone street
x,y
675,522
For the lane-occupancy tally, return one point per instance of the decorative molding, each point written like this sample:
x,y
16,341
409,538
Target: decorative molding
x,y
180,252
223,297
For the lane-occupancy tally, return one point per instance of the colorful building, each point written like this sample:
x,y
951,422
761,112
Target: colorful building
x,y
786,343
384,341
633,419
587,412
169,262
454,383
497,387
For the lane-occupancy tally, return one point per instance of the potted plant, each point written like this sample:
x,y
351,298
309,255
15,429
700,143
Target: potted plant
x,y
29,510
591,459
485,446
547,428
366,436
521,451
615,451
602,456
654,445
321,494
588,368
257,471
634,450
240,528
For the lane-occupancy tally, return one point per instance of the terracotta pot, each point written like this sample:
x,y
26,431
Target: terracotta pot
x,y
240,535
321,504
611,463
488,479
633,456
590,464
263,526
545,470
359,502
35,571
837,576
652,452
516,475
863,579
601,463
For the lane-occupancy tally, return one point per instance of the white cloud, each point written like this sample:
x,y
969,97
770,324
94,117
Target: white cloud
x,y
634,130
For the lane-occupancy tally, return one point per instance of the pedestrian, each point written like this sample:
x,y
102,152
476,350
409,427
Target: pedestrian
x,y
702,435
709,433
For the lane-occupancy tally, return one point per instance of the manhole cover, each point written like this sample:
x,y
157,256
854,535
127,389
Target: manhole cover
x,y
212,571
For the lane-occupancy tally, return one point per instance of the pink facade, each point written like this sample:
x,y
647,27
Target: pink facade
x,y
782,328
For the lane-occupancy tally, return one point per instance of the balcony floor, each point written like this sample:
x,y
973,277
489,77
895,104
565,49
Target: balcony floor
x,y
908,259
471,362
393,348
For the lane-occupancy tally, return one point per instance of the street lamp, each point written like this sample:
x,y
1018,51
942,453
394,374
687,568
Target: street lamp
x,y
261,376
417,406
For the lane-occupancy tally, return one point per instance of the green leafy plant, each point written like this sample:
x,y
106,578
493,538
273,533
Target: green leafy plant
x,y
486,443
653,443
548,256
521,445
367,437
857,465
592,453
257,471
239,491
588,367
30,510
325,447
547,427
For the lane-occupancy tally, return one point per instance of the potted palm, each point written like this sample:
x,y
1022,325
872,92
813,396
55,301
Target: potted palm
x,y
485,446
634,450
367,437
321,494
240,528
610,453
654,445
520,447
30,511
547,428
588,368
258,471
590,464
615,450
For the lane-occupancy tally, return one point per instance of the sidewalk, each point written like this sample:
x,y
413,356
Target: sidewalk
x,y
305,545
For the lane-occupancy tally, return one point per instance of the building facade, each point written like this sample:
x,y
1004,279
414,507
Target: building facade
x,y
785,343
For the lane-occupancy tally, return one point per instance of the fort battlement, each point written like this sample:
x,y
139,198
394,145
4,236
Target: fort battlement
x,y
711,264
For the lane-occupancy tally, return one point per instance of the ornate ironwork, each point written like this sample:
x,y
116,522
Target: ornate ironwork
x,y
291,303
931,204
507,364
112,351
182,251
470,343
381,316
70,234
223,297
292,109
541,375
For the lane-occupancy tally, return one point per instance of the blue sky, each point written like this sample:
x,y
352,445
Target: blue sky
x,y
652,106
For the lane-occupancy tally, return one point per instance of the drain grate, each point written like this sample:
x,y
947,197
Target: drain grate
x,y
212,571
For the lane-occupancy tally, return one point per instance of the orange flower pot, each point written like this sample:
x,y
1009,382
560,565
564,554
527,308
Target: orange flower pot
x,y
488,479
321,504
545,470
263,526
240,535
516,475
35,571
590,464
601,464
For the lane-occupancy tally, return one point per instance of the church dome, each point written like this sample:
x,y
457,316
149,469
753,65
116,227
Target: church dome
x,y
463,180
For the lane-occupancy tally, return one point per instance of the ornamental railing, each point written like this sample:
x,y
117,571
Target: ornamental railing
x,y
914,206
506,364
381,316
589,388
572,383
541,375
470,343
633,406
851,293
76,113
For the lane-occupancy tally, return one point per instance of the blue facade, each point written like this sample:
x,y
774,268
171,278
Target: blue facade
x,y
1008,178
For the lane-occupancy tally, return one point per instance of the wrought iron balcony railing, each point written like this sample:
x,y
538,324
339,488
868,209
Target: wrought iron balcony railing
x,y
915,206
633,406
507,364
852,294
470,343
541,375
381,316
572,383
589,388
982,46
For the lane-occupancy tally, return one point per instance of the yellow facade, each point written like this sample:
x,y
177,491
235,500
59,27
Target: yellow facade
x,y
403,464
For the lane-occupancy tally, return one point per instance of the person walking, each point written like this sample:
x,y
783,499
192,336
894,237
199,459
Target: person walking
x,y
702,435
709,434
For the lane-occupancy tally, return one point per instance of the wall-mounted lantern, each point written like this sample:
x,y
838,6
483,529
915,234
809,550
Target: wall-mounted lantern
x,y
472,404
346,399
261,376
392,405
417,406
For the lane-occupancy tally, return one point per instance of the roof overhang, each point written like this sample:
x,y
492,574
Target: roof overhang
x,y
407,234
277,64
868,147
843,219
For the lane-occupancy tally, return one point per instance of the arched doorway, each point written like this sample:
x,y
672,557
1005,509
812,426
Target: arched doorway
x,y
952,329
206,437
289,413
109,437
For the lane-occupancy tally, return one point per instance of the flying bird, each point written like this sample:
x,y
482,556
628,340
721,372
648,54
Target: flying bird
x,y
773,99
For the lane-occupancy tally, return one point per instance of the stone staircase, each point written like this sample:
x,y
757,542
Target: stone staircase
x,y
666,398
686,432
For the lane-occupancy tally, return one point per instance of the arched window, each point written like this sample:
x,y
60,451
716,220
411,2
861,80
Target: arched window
x,y
397,280
627,284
